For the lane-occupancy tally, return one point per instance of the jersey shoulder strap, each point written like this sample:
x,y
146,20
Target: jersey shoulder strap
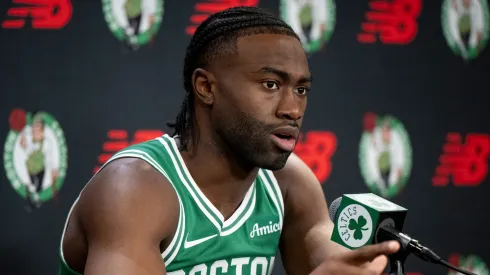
x,y
158,154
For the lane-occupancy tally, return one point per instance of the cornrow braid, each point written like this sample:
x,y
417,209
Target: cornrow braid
x,y
216,36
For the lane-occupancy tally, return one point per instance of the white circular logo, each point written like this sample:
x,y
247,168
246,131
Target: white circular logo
x,y
35,156
466,26
385,155
134,22
355,225
312,21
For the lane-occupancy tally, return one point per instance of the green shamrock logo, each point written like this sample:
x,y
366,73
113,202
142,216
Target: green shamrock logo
x,y
358,226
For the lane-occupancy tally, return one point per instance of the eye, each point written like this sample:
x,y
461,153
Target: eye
x,y
302,90
270,85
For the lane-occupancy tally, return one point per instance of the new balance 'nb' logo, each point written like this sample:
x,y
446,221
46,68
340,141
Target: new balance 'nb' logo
x,y
44,14
258,231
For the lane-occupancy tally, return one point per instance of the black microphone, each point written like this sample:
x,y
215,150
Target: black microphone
x,y
363,219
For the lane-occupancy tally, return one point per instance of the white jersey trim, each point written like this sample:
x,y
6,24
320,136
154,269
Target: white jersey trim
x,y
144,156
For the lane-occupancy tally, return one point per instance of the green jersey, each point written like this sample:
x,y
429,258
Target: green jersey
x,y
206,243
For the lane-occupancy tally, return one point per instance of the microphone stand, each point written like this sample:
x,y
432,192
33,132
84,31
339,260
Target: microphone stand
x,y
397,260
410,246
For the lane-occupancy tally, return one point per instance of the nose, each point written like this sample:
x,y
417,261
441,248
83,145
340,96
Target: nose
x,y
291,106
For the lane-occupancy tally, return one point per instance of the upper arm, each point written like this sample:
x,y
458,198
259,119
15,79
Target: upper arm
x,y
126,211
305,240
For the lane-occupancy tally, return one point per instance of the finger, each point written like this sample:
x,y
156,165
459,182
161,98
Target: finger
x,y
368,253
378,265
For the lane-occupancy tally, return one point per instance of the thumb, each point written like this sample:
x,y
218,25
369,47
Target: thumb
x,y
378,265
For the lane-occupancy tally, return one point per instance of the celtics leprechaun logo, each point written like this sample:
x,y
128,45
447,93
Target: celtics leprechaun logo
x,y
35,156
385,155
466,25
134,22
312,20
471,263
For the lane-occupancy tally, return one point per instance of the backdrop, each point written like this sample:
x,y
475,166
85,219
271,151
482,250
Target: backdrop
x,y
399,107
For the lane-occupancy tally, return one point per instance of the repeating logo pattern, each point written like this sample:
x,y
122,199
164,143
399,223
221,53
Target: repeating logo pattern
x,y
134,22
35,156
471,263
385,155
312,20
466,26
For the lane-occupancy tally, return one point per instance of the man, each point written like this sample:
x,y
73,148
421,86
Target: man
x,y
206,200
39,159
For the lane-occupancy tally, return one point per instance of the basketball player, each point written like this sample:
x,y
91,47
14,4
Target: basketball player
x,y
224,192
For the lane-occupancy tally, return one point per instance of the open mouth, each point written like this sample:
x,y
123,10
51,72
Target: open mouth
x,y
285,138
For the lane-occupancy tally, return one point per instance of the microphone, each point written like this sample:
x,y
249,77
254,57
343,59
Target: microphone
x,y
363,219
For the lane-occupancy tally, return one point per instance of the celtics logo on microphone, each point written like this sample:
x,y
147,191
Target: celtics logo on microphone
x,y
385,155
355,225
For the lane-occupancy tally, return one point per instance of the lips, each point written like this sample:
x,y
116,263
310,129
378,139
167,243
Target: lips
x,y
285,137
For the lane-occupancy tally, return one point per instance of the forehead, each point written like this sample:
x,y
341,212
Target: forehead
x,y
274,50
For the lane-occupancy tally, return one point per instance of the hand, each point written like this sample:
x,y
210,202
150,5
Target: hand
x,y
367,260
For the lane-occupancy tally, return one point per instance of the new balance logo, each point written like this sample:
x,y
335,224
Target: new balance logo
x,y
394,21
258,231
467,162
45,14
316,149
118,140
207,7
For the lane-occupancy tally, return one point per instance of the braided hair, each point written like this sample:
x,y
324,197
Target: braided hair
x,y
216,36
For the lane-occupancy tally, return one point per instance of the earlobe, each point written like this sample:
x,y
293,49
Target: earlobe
x,y
203,82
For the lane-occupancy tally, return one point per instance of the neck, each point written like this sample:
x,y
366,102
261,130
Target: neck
x,y
217,172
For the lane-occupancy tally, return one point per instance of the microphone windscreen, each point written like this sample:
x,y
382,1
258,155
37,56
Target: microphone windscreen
x,y
334,209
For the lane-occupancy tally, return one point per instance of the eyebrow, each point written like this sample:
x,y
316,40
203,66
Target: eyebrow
x,y
284,75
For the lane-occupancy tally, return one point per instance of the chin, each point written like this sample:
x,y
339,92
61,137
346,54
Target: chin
x,y
274,161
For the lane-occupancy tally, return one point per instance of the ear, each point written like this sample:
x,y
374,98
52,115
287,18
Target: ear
x,y
204,85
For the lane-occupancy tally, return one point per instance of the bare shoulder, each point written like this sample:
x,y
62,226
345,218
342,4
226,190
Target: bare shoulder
x,y
133,189
122,218
296,175
305,239
304,199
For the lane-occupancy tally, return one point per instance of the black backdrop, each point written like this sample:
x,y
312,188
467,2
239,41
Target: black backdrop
x,y
102,92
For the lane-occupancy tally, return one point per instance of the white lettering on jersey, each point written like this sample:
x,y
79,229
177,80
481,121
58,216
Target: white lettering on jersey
x,y
259,261
202,269
239,262
236,266
223,264
264,230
